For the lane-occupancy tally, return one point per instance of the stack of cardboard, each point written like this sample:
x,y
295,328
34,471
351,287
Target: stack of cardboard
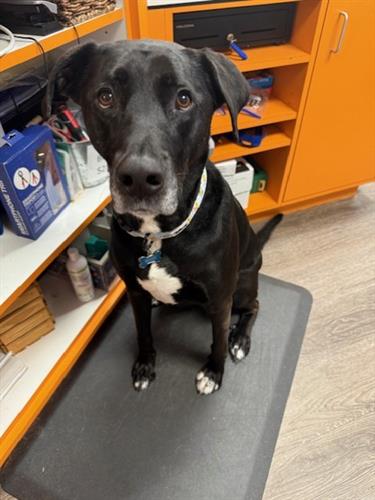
x,y
26,320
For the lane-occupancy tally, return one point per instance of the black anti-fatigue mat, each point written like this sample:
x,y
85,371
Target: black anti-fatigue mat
x,y
98,439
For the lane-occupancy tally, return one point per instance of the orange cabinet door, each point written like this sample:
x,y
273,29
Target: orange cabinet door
x,y
336,143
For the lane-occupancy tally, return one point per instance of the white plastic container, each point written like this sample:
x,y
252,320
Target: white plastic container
x,y
80,275
92,168
227,167
241,181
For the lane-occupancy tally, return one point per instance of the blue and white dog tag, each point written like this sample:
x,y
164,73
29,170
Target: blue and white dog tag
x,y
147,260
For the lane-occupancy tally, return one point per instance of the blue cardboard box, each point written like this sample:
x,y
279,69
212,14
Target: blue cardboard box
x,y
32,186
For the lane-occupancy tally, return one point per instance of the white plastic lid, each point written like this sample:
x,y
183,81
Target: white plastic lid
x,y
73,253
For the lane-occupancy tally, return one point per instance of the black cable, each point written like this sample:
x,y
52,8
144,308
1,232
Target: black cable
x,y
45,63
14,102
76,32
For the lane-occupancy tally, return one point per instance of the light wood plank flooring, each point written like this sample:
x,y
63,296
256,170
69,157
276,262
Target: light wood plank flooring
x,y
326,447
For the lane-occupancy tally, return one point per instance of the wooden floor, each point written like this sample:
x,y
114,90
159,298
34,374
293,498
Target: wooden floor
x,y
326,447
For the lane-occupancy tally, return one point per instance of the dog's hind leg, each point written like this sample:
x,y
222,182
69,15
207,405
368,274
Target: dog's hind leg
x,y
245,304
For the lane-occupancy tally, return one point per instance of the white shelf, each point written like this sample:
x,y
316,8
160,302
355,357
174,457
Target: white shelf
x,y
71,316
21,258
25,50
18,44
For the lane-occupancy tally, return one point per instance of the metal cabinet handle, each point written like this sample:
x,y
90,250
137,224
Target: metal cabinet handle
x,y
345,15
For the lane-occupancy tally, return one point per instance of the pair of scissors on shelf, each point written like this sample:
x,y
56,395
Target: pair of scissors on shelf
x,y
66,117
59,129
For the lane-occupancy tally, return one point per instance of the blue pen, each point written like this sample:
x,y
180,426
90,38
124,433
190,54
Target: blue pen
x,y
248,112
232,44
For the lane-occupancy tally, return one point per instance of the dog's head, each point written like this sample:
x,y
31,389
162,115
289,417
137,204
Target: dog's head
x,y
148,107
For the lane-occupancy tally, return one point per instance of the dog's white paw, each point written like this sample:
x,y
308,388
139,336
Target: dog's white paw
x,y
207,382
239,346
237,352
141,385
143,374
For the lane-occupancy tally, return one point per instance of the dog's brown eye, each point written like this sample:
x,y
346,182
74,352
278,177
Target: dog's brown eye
x,y
183,100
105,98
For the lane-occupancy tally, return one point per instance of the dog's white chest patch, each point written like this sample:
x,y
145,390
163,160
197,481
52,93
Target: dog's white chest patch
x,y
149,225
160,284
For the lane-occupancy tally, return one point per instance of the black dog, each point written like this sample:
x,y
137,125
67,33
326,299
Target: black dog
x,y
148,108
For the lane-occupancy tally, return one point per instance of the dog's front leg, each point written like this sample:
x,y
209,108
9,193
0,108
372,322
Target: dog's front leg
x,y
143,372
209,378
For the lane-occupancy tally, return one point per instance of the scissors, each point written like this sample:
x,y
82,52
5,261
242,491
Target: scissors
x,y
60,129
24,181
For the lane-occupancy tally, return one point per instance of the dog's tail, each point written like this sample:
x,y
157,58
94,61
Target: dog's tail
x,y
266,231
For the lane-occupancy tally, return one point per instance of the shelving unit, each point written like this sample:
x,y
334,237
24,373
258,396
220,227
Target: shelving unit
x,y
269,57
259,202
292,65
25,50
23,260
227,149
274,112
50,358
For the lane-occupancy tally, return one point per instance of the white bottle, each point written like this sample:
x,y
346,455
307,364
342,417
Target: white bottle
x,y
80,275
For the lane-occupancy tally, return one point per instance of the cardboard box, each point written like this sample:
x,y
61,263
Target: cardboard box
x,y
15,318
101,225
30,294
24,326
25,321
31,336
260,180
102,271
32,186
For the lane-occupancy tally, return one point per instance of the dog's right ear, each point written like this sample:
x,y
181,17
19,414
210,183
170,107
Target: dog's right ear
x,y
68,74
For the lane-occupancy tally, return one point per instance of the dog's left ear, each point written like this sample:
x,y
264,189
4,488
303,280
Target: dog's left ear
x,y
228,83
68,74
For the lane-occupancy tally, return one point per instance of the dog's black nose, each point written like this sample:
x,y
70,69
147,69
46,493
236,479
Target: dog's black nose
x,y
141,177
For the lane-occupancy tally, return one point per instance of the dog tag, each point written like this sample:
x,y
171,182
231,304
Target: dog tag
x,y
147,260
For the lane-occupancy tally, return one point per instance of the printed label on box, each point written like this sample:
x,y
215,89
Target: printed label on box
x,y
32,186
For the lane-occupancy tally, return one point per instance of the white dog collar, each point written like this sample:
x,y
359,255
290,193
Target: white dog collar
x,y
163,235
155,257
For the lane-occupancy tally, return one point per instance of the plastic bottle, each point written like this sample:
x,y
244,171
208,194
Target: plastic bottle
x,y
80,275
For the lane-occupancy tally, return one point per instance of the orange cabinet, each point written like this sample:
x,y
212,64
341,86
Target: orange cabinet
x,y
335,148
